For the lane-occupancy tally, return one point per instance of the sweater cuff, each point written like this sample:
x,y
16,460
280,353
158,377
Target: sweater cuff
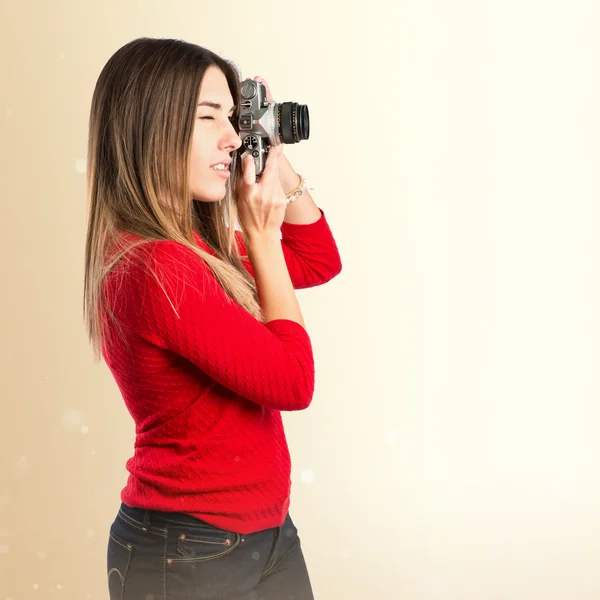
x,y
302,229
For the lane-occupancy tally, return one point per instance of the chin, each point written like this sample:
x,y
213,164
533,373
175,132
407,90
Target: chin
x,y
209,195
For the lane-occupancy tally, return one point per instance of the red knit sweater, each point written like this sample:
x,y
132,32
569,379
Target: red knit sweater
x,y
204,382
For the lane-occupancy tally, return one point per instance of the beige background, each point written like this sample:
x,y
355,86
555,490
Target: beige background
x,y
451,450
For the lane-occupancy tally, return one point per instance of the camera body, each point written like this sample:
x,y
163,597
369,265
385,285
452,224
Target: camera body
x,y
262,123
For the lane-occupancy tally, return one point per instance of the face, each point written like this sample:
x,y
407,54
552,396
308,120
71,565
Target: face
x,y
214,139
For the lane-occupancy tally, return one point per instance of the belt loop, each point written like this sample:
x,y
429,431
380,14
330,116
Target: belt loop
x,y
146,520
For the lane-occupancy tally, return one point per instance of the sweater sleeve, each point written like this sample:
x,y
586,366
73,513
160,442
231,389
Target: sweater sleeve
x,y
190,314
310,252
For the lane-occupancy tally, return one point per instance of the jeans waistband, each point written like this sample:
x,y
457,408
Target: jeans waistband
x,y
149,517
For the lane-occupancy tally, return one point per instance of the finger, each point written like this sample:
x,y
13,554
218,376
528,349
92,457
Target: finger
x,y
271,170
267,88
248,170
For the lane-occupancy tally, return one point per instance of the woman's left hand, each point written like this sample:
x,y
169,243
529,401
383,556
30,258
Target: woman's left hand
x,y
269,95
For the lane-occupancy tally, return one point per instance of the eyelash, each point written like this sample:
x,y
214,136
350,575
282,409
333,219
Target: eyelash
x,y
231,119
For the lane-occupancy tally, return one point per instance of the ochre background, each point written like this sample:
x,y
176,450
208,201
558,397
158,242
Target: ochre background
x,y
451,450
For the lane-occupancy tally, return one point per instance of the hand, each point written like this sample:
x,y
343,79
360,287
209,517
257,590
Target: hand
x,y
261,206
269,95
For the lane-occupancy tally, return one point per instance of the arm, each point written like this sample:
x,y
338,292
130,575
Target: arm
x,y
190,314
309,249
303,210
273,283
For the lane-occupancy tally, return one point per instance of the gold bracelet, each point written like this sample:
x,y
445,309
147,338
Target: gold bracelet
x,y
298,191
296,188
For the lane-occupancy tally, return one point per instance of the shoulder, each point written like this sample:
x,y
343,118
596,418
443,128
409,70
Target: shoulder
x,y
145,260
161,249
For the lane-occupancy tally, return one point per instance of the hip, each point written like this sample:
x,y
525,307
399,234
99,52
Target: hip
x,y
171,555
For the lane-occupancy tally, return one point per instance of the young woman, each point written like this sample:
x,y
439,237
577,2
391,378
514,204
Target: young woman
x,y
199,325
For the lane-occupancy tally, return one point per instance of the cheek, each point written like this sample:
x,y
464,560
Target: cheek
x,y
197,154
200,148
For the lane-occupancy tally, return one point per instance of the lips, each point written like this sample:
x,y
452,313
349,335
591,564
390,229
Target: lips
x,y
225,173
225,162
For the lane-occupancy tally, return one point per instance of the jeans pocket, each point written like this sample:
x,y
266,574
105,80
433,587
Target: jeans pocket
x,y
203,542
118,559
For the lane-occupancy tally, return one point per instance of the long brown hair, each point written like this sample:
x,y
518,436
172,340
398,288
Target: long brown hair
x,y
139,148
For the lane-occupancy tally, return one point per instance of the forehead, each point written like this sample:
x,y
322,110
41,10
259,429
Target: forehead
x,y
214,88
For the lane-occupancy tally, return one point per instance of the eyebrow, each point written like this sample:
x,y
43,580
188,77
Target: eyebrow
x,y
214,105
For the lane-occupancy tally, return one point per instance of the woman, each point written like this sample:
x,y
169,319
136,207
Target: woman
x,y
199,325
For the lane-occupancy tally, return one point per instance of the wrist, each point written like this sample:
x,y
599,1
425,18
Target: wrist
x,y
264,239
297,186
287,175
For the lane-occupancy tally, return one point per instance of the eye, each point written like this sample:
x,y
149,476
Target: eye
x,y
211,118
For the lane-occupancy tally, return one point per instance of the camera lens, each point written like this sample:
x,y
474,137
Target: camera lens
x,y
294,122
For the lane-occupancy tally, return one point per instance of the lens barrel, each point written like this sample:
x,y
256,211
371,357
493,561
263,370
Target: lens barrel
x,y
294,122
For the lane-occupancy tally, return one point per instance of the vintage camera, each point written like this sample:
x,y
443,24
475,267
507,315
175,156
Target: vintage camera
x,y
262,124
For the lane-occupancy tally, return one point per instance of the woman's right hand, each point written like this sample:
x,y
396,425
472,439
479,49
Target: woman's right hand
x,y
261,205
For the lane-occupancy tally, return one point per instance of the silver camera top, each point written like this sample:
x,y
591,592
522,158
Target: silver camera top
x,y
263,123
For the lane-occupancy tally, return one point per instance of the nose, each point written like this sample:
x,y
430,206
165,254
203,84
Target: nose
x,y
232,139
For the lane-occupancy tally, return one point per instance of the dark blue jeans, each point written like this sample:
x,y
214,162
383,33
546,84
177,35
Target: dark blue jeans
x,y
155,555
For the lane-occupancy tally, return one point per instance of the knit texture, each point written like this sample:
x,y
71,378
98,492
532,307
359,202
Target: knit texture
x,y
204,382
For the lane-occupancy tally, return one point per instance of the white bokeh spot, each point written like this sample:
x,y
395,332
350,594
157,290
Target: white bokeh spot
x,y
392,437
72,420
81,165
23,465
308,476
